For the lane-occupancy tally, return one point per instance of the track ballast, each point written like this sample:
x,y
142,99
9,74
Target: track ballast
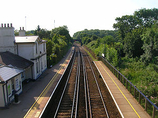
x,y
82,93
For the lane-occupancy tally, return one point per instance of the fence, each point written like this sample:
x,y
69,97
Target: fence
x,y
143,100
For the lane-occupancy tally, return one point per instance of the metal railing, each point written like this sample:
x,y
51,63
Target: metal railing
x,y
143,100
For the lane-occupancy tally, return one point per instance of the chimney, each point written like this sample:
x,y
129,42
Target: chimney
x,y
11,25
22,31
8,25
2,25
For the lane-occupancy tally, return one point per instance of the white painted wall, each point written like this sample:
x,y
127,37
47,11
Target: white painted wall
x,y
26,50
36,51
17,86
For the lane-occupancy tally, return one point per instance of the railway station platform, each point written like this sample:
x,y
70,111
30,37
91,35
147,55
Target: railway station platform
x,y
37,108
125,102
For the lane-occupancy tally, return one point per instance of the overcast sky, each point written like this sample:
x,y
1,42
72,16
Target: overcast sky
x,y
77,15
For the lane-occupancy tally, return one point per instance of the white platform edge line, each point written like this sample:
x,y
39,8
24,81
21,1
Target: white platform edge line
x,y
110,92
56,85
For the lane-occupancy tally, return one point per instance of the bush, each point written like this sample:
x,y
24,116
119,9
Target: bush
x,y
142,76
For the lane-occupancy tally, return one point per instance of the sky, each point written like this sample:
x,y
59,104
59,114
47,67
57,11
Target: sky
x,y
77,15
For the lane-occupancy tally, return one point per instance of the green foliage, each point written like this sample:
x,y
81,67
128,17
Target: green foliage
x,y
58,44
42,33
150,46
108,40
125,24
61,31
138,35
100,48
131,27
133,43
142,76
112,56
94,33
16,33
146,17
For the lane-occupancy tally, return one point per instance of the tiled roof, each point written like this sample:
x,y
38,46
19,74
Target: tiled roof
x,y
7,73
8,58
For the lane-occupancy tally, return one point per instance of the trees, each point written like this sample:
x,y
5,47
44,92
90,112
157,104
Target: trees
x,y
150,45
140,44
94,32
133,43
131,27
125,24
42,33
58,44
146,17
62,31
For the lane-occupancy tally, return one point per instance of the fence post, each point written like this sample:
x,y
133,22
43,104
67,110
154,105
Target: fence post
x,y
119,76
153,115
114,71
126,84
139,98
134,92
146,102
130,88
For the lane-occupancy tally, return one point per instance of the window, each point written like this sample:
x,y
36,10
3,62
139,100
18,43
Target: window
x,y
16,84
9,90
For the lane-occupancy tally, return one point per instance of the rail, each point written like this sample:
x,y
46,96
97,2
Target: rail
x,y
106,111
85,87
75,90
56,90
143,100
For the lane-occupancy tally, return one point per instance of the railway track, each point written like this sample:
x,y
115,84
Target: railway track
x,y
83,94
66,106
97,106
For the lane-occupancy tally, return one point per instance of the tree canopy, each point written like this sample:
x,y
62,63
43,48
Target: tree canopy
x,y
131,27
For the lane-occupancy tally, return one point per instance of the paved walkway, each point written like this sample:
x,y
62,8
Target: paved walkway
x,y
125,102
35,94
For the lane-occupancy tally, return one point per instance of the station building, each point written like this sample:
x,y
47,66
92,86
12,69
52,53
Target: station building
x,y
22,57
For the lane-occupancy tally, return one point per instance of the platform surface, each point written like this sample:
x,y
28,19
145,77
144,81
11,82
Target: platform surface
x,y
126,103
40,103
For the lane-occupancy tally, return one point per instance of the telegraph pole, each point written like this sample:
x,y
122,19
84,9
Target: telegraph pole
x,y
25,22
54,24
